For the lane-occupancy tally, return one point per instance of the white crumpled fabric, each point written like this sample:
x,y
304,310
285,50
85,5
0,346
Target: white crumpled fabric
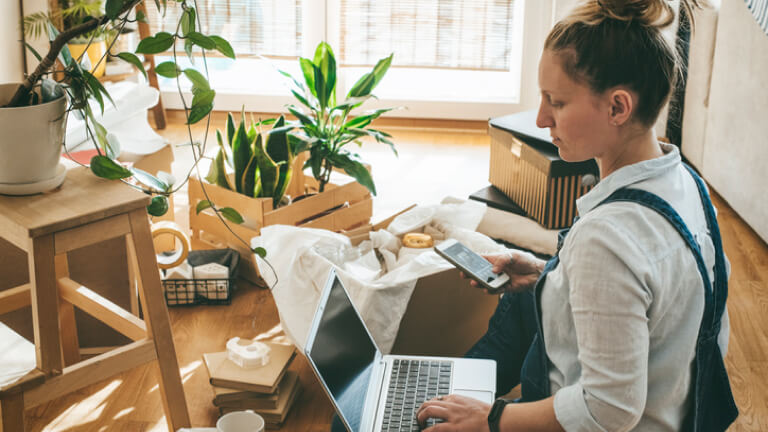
x,y
378,283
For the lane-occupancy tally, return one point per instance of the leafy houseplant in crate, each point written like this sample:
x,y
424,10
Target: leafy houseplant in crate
x,y
30,161
315,141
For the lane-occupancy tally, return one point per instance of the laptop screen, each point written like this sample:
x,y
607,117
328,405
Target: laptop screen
x,y
344,354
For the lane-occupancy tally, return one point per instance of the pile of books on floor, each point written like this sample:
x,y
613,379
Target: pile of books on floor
x,y
268,390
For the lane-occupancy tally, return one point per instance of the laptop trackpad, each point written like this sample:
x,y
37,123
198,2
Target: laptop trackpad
x,y
483,396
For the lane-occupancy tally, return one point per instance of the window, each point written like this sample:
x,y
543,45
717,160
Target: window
x,y
459,59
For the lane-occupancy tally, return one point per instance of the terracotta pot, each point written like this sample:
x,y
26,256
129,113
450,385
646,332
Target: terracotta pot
x,y
31,138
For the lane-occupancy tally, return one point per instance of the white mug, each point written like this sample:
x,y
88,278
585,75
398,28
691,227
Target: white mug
x,y
240,421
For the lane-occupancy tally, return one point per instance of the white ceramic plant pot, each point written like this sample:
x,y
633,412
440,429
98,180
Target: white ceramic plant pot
x,y
31,138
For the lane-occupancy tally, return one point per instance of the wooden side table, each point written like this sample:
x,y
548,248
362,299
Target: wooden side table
x,y
84,211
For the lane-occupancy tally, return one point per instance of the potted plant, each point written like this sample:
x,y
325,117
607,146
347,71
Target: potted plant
x,y
326,127
31,153
70,14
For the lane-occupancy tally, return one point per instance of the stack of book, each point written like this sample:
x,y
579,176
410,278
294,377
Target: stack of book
x,y
269,390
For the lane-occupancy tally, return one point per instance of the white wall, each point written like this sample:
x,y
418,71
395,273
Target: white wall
x,y
11,68
735,153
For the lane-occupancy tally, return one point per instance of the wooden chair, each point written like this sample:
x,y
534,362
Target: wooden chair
x,y
84,211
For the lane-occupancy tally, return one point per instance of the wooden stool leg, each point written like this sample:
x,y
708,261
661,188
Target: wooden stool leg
x,y
45,305
70,344
158,323
12,408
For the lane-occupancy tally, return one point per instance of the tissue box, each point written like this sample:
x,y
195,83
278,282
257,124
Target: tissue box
x,y
209,291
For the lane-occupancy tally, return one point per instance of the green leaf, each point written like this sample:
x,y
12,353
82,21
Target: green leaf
x,y
203,98
105,167
223,46
308,69
230,129
326,65
149,180
158,206
241,151
358,122
187,21
33,51
65,57
251,176
188,47
365,85
132,59
316,158
101,134
113,146
112,8
355,169
97,86
268,169
197,113
201,40
158,43
202,205
217,174
168,69
140,17
260,251
279,150
232,215
197,79
303,118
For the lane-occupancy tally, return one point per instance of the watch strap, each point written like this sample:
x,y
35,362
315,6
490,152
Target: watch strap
x,y
497,409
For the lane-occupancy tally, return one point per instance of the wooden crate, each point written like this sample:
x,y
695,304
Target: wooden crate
x,y
536,178
309,212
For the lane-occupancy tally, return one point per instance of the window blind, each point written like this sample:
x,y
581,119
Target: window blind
x,y
453,34
253,27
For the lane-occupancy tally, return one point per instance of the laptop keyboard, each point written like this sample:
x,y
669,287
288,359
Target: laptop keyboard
x,y
413,382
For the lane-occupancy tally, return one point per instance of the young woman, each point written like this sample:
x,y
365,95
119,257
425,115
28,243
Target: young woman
x,y
625,328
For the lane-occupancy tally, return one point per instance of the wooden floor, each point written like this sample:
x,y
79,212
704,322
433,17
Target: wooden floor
x,y
432,164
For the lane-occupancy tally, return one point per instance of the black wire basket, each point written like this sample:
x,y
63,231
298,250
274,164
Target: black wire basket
x,y
188,292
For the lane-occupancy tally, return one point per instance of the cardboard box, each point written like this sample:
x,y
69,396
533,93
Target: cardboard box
x,y
530,172
445,316
311,212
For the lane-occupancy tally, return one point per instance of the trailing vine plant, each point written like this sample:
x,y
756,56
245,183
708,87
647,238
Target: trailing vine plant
x,y
80,86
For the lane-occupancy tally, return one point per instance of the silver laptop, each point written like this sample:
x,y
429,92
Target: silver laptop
x,y
375,393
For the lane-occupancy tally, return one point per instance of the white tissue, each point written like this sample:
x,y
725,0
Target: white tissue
x,y
214,290
180,292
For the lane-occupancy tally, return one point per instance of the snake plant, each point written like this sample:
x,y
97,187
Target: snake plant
x,y
261,162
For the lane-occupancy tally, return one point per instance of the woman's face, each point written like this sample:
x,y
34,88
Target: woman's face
x,y
578,119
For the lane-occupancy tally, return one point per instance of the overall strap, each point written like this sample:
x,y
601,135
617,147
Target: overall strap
x,y
710,322
721,277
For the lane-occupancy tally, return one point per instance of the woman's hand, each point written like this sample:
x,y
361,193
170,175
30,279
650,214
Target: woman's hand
x,y
459,413
522,268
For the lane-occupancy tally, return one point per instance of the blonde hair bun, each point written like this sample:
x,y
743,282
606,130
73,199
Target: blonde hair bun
x,y
654,13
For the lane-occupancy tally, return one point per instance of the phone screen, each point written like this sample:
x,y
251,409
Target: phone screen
x,y
468,259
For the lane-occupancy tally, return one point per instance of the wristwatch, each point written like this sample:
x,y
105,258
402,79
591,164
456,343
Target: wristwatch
x,y
495,414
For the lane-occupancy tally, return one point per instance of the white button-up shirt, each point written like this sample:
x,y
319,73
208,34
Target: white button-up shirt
x,y
621,313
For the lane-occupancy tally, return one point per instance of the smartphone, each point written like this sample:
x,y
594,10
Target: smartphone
x,y
472,264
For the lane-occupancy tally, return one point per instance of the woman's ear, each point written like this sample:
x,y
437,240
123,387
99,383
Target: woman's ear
x,y
621,104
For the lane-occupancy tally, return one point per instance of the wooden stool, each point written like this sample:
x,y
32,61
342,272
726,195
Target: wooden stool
x,y
84,211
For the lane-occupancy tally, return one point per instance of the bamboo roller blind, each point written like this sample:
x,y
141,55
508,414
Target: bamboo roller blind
x,y
453,34
264,27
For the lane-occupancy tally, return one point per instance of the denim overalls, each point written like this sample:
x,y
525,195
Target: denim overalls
x,y
510,331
